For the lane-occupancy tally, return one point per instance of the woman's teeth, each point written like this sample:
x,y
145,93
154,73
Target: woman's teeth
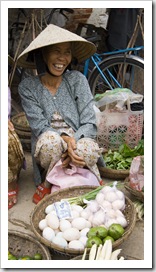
x,y
58,66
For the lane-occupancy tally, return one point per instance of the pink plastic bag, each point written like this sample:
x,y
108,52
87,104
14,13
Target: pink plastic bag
x,y
62,178
136,174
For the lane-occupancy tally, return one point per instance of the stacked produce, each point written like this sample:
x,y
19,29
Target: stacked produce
x,y
69,225
104,252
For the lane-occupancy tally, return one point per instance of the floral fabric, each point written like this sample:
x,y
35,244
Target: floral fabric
x,y
51,146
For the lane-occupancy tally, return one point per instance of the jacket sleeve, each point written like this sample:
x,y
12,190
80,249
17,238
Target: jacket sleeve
x,y
32,108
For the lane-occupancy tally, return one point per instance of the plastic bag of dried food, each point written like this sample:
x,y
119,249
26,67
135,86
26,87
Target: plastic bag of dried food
x,y
136,175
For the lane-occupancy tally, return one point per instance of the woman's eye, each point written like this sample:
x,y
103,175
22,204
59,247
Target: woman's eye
x,y
68,52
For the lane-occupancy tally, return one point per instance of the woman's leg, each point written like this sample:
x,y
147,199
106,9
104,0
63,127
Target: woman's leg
x,y
49,148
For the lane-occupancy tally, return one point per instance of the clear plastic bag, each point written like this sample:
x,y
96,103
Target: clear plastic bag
x,y
117,99
136,175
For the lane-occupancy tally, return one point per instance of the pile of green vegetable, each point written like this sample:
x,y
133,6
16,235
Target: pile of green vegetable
x,y
121,159
37,256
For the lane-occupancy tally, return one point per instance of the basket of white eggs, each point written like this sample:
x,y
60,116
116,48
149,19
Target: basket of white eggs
x,y
67,235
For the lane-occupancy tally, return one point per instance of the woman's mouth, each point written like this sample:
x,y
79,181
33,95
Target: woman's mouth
x,y
59,66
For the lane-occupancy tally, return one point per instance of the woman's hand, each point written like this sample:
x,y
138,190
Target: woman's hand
x,y
70,155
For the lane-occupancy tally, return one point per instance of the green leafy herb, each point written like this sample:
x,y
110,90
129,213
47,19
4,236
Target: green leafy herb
x,y
122,158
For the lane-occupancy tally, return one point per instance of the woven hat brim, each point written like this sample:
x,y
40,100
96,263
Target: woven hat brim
x,y
81,48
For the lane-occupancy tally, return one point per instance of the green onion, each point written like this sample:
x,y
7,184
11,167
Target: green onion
x,y
139,206
79,200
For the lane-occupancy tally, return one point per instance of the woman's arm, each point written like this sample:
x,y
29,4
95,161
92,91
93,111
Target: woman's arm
x,y
33,109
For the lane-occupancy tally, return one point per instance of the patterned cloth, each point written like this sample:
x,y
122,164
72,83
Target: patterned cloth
x,y
51,146
15,156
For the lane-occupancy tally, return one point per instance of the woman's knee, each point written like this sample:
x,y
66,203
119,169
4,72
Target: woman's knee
x,y
48,141
89,150
49,148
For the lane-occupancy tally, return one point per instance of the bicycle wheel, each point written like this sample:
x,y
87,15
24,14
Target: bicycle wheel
x,y
119,71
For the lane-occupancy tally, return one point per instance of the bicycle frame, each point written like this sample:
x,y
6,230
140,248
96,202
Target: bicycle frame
x,y
97,58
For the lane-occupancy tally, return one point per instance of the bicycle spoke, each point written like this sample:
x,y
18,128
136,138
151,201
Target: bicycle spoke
x,y
118,72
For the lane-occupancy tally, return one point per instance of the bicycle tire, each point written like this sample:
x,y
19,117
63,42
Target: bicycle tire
x,y
134,64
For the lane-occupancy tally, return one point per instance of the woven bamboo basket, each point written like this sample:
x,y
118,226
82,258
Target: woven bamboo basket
x,y
22,244
39,213
137,194
112,173
20,122
23,130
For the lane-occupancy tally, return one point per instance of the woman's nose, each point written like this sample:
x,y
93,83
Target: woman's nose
x,y
61,56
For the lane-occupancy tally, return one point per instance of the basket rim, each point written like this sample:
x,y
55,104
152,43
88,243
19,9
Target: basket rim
x,y
113,173
70,251
32,239
20,127
23,132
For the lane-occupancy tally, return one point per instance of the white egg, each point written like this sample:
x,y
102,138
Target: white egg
x,y
49,208
109,222
60,233
76,244
71,234
90,218
52,212
111,213
93,206
122,221
119,213
75,214
83,240
111,196
64,224
52,221
85,213
106,205
88,224
106,189
120,195
42,224
79,223
77,208
60,241
98,219
118,204
84,231
100,197
48,233
56,231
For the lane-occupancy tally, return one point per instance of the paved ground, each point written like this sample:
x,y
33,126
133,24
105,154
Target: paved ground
x,y
19,215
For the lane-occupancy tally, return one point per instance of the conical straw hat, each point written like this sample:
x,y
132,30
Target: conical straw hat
x,y
52,34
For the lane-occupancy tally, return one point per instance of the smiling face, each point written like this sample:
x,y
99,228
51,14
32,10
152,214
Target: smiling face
x,y
57,57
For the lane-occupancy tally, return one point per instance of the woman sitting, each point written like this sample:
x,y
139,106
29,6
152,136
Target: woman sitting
x,y
59,105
